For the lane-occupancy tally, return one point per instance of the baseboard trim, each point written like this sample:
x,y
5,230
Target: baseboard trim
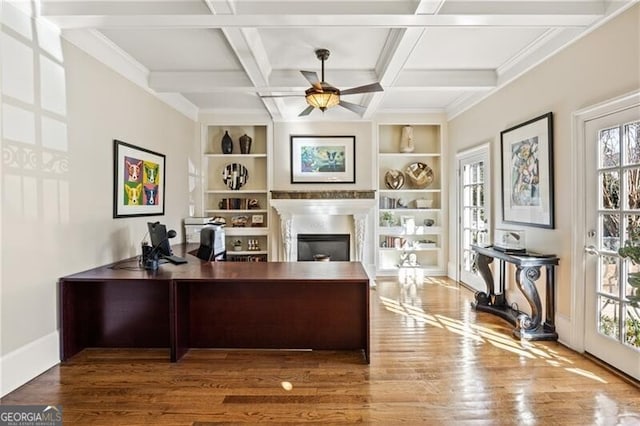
x,y
563,328
28,362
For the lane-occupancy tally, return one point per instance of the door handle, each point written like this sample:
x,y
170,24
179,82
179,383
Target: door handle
x,y
591,250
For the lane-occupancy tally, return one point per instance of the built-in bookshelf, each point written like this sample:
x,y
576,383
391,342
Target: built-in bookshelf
x,y
410,232
246,209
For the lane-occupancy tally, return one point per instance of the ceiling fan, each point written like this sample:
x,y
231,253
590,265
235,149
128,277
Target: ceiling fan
x,y
322,95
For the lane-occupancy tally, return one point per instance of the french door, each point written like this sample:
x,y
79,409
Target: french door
x,y
473,208
612,213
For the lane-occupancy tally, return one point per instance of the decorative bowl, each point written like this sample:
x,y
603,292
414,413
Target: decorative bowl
x,y
419,174
235,175
394,179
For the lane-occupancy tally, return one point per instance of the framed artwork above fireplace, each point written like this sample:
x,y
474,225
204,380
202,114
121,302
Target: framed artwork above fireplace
x,y
323,159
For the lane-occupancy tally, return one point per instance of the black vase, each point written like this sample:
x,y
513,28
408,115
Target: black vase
x,y
245,144
226,143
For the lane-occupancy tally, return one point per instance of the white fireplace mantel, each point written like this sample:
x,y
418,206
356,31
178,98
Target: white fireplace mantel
x,y
358,208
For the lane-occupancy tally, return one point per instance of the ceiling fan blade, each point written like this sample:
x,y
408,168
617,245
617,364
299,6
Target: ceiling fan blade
x,y
306,111
373,87
358,109
312,77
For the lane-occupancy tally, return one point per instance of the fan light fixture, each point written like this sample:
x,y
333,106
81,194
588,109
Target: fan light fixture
x,y
322,95
329,97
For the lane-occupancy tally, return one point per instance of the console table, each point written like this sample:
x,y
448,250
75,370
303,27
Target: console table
x,y
253,305
529,327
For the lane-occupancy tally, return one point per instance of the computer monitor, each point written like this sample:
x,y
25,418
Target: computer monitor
x,y
159,238
212,246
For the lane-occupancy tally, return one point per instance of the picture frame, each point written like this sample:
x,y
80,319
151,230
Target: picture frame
x,y
323,159
408,224
138,181
257,220
527,173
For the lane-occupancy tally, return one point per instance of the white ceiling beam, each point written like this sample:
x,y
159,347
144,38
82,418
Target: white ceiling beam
x,y
340,78
199,81
398,47
523,7
342,7
306,21
252,55
481,79
397,50
290,82
335,7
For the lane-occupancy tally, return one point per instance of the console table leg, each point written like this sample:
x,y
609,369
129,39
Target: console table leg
x,y
531,327
526,278
482,263
550,315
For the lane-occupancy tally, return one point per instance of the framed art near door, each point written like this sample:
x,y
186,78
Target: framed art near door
x,y
138,181
527,173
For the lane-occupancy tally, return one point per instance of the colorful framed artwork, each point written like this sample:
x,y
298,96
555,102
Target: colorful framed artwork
x,y
138,181
323,159
527,173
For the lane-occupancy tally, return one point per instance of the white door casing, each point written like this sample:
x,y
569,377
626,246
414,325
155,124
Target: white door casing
x,y
598,274
474,210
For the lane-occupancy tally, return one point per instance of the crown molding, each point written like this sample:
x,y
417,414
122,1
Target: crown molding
x,y
104,50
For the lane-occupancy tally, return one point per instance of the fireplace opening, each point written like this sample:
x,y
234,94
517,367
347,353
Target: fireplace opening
x,y
335,246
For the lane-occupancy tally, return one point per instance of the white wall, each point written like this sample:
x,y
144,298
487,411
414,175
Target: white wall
x,y
602,65
61,111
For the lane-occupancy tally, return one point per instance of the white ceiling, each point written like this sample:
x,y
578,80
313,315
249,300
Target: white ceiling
x,y
220,55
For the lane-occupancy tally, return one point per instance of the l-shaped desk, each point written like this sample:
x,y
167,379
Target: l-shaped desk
x,y
259,305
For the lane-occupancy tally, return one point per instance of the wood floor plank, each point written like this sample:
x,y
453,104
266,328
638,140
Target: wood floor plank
x,y
433,361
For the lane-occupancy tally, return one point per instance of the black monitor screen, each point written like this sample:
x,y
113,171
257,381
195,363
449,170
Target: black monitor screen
x,y
159,238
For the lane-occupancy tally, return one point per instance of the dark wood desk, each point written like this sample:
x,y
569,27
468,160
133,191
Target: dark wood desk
x,y
530,327
275,305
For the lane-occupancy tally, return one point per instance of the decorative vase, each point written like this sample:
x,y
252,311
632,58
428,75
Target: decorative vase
x,y
245,144
406,140
226,143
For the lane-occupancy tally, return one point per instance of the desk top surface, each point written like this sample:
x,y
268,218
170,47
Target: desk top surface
x,y
197,269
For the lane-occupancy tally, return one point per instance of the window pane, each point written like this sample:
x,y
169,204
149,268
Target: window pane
x,y
608,317
466,174
632,326
480,172
609,267
610,186
632,142
610,232
609,142
629,290
632,181
482,219
632,227
483,237
466,196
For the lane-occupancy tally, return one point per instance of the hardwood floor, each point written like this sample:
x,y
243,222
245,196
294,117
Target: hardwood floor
x,y
433,361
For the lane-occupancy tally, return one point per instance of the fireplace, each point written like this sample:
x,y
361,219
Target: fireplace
x,y
323,212
336,246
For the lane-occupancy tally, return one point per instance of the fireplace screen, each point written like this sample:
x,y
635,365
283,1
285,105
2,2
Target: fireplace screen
x,y
315,246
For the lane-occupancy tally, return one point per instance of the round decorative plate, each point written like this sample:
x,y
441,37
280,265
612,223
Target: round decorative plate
x,y
235,175
394,179
420,175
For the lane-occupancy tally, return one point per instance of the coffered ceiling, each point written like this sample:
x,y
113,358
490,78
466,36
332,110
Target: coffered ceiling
x,y
221,55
